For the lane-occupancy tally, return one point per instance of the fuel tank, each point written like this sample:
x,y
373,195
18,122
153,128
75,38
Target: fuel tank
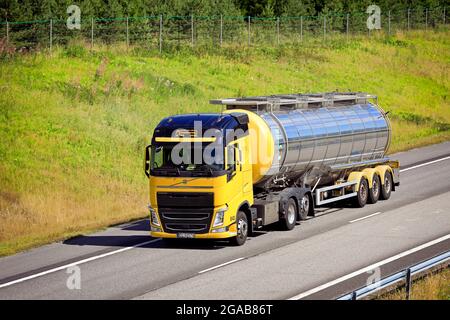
x,y
290,143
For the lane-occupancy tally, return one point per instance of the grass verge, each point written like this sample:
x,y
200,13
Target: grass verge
x,y
74,123
433,287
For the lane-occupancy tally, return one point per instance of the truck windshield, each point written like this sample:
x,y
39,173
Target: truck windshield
x,y
186,159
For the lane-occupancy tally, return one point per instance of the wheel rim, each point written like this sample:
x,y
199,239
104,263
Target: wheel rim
x,y
363,191
291,213
375,187
387,184
242,228
305,204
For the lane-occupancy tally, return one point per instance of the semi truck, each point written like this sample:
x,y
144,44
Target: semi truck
x,y
266,159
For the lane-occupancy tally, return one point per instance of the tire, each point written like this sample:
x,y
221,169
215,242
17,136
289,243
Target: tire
x,y
304,207
242,229
288,222
363,193
374,192
386,189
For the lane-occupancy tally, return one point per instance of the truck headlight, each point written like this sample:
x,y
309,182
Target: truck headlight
x,y
154,216
220,214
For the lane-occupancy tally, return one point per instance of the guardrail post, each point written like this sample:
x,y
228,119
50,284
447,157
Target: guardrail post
x,y
354,295
51,34
192,29
248,18
408,283
160,33
221,29
92,33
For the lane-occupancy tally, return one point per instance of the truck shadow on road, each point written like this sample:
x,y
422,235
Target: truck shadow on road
x,y
136,240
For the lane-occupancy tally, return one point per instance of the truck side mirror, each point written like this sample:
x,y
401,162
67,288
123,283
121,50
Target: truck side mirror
x,y
147,160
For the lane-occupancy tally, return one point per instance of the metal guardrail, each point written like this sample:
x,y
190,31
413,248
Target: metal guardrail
x,y
404,275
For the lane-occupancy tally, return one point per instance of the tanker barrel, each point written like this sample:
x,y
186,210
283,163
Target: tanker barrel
x,y
292,137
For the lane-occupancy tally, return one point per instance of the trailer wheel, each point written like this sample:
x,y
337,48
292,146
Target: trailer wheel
x,y
363,193
288,221
374,193
242,229
386,189
304,207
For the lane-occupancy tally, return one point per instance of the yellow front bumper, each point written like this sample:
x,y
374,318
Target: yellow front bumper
x,y
210,235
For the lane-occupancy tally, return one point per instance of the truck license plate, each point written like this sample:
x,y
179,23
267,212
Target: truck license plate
x,y
185,235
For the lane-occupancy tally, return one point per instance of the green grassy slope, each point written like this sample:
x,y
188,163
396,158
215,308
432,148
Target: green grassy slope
x,y
73,125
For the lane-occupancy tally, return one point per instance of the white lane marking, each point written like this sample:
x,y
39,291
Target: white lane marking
x,y
425,164
370,215
43,273
368,268
221,265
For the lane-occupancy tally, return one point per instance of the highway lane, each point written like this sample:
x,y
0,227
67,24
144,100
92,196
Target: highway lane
x,y
159,270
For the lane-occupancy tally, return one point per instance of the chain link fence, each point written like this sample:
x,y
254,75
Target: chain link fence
x,y
173,32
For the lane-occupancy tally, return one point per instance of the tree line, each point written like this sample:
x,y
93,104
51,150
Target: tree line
x,y
31,10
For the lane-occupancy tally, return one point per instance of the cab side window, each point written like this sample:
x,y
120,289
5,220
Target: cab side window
x,y
231,158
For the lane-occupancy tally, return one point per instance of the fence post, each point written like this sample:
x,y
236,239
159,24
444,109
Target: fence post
x,y
301,28
408,284
160,33
324,27
389,22
444,16
92,33
192,29
7,33
221,29
248,18
409,12
426,19
278,31
128,37
346,26
51,34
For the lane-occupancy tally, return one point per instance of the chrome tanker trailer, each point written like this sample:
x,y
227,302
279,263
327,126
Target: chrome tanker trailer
x,y
266,159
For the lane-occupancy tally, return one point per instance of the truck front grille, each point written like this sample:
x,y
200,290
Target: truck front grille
x,y
185,211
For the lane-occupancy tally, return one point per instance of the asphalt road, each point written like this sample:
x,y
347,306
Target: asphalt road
x,y
123,262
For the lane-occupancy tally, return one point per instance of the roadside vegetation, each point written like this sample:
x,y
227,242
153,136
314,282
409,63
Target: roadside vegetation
x,y
432,287
74,123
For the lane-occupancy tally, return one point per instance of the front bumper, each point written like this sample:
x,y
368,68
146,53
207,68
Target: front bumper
x,y
231,232
210,235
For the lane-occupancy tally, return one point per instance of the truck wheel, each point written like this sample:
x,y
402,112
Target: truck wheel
x,y
386,189
242,229
363,193
304,207
374,192
288,222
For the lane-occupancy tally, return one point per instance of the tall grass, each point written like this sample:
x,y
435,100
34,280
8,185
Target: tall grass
x,y
74,122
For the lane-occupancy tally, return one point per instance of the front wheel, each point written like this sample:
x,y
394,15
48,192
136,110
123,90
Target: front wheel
x,y
242,229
